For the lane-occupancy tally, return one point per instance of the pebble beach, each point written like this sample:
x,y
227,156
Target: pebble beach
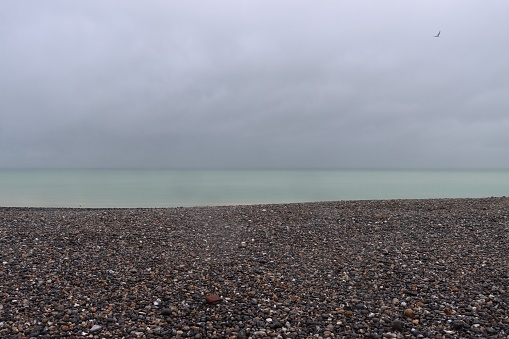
x,y
435,268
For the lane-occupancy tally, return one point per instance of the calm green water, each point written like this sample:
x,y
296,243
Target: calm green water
x,y
172,188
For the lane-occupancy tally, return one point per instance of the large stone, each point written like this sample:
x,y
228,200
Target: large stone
x,y
213,299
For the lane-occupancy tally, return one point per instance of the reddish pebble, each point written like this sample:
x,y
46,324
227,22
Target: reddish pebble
x,y
213,299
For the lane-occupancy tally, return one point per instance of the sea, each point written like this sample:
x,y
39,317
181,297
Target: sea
x,y
131,188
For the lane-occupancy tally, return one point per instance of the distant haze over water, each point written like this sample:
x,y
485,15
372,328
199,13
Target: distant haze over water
x,y
173,188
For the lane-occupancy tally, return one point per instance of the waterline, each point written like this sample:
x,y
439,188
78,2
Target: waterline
x,y
173,188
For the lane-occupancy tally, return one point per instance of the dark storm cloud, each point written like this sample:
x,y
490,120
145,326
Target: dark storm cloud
x,y
254,84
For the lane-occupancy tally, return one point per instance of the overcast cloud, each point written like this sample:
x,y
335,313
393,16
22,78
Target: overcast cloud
x,y
254,84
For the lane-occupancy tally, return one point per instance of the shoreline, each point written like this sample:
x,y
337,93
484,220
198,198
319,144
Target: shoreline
x,y
239,204
358,268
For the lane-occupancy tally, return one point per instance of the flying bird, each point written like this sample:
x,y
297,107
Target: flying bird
x,y
438,35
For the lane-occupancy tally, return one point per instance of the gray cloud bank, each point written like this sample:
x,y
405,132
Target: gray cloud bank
x,y
254,84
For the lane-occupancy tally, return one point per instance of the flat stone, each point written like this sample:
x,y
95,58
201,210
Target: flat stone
x,y
213,299
96,329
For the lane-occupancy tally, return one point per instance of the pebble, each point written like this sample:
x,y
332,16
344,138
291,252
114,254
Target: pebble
x,y
409,313
95,329
374,269
259,334
213,299
397,325
458,324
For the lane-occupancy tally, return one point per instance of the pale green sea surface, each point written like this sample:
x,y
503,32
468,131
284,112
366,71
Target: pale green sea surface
x,y
173,188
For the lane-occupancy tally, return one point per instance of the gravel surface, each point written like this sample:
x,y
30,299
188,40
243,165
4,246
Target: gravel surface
x,y
369,269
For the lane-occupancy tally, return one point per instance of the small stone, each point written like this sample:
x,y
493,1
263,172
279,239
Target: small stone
x,y
96,329
259,334
165,312
213,299
491,330
457,324
276,325
409,313
397,325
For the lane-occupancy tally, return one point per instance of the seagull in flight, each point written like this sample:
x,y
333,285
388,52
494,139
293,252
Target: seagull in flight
x,y
438,35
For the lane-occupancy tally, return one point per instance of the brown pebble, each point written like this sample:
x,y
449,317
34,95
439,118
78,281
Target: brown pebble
x,y
348,314
409,313
447,310
213,299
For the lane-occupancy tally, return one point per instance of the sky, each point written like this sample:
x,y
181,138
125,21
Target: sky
x,y
254,84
